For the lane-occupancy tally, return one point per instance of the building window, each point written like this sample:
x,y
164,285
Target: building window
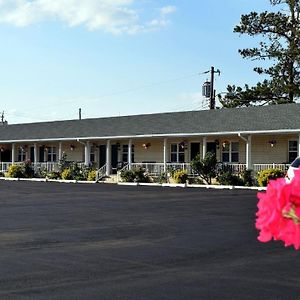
x,y
293,150
177,153
125,154
93,154
230,152
51,154
21,154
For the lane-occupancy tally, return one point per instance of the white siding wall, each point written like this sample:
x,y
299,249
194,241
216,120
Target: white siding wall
x,y
263,153
154,153
77,154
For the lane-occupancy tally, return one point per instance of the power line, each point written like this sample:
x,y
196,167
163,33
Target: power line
x,y
125,91
113,93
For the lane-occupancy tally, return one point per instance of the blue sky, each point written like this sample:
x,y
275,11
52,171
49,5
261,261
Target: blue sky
x,y
117,57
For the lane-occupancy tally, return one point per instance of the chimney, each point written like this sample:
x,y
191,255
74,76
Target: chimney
x,y
79,113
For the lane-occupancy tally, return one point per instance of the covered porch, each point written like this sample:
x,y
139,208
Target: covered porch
x,y
157,154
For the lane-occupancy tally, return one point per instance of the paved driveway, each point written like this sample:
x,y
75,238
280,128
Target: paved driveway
x,y
62,241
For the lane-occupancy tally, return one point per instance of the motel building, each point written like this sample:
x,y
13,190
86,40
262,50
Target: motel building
x,y
253,138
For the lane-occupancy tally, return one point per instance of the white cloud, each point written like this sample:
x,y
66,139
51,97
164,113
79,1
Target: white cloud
x,y
166,10
114,16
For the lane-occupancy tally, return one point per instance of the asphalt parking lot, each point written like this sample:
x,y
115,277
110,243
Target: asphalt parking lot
x,y
67,241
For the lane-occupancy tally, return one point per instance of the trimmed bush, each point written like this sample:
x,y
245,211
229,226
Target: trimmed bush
x,y
75,172
92,175
135,175
28,171
266,175
227,178
180,176
67,174
162,178
247,178
54,175
15,171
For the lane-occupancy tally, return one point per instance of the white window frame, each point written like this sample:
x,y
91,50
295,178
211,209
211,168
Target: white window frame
x,y
21,154
125,150
293,151
52,154
230,152
177,152
92,154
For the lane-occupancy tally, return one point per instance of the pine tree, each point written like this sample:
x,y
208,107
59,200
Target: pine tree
x,y
280,45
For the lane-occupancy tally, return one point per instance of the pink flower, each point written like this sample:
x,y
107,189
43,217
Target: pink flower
x,y
278,215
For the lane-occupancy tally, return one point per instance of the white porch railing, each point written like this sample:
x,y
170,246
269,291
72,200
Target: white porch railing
x,y
234,168
5,165
48,166
101,172
156,169
261,167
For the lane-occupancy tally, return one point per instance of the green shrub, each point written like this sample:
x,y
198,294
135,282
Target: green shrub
x,y
127,175
75,172
92,175
67,174
54,175
205,168
247,178
28,171
63,163
266,175
195,180
227,178
15,171
135,175
162,178
180,176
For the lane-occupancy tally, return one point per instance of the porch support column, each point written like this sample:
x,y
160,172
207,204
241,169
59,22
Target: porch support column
x,y
248,153
204,147
165,154
35,151
59,150
130,154
299,144
13,153
87,153
108,158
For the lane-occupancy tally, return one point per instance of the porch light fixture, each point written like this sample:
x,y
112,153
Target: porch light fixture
x,y
272,143
225,143
118,146
183,145
72,147
217,143
146,145
2,149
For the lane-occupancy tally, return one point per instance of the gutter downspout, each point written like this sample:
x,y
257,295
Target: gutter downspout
x,y
86,151
248,150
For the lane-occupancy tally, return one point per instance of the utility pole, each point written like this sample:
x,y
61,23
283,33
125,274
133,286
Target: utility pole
x,y
212,104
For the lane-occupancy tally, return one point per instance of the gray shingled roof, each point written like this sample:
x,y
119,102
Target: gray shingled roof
x,y
268,118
